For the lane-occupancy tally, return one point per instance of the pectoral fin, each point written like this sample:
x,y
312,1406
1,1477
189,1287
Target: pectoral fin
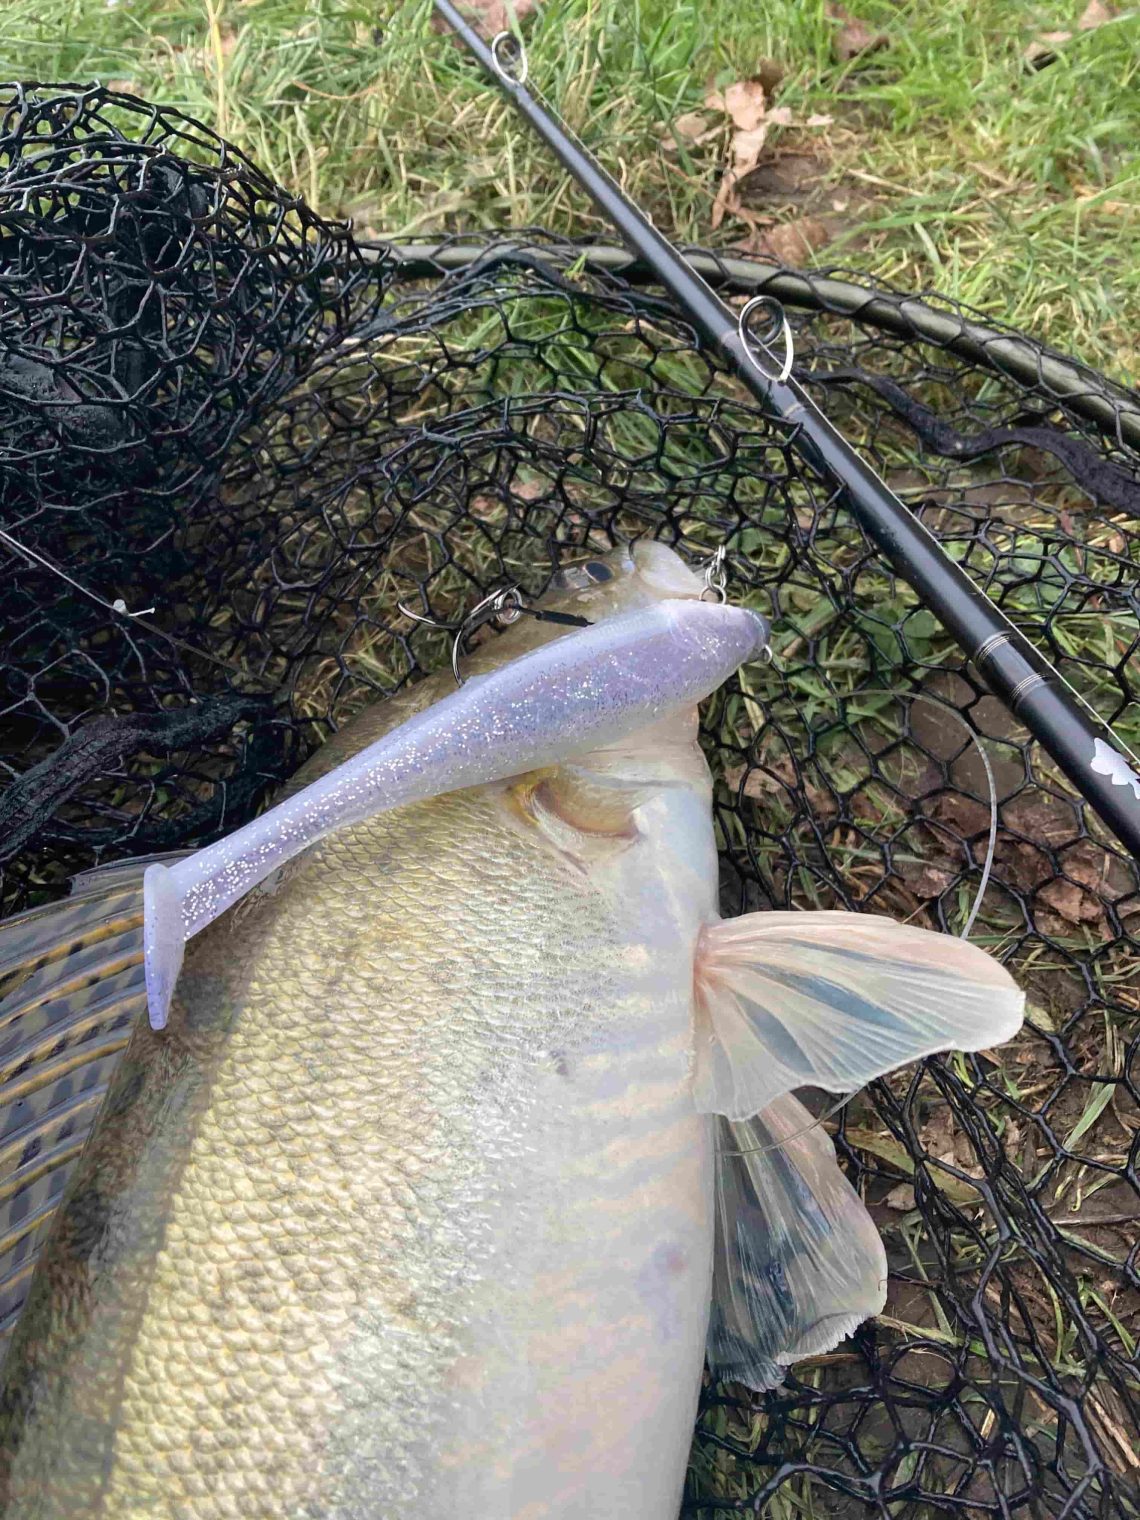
x,y
833,1000
587,815
798,1262
71,990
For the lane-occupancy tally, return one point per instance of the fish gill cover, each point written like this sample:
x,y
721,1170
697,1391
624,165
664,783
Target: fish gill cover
x,y
218,406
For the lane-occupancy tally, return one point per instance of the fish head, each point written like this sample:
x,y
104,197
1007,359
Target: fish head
x,y
594,587
630,576
600,586
612,781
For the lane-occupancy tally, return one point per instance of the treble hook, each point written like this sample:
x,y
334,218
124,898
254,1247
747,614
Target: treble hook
x,y
504,606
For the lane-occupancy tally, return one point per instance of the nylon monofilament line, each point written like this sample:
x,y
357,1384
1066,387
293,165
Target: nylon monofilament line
x,y
1036,693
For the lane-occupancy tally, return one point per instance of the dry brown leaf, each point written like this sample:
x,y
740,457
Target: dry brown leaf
x,y
820,121
854,36
1087,864
744,101
528,490
795,242
728,202
901,1198
691,128
1043,50
763,784
484,507
746,150
1042,817
725,200
928,881
889,1149
1095,14
1023,865
753,780
754,243
691,125
490,16
965,816
1067,899
938,1133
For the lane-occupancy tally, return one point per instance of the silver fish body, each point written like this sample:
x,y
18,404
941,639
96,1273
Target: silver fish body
x,y
410,1204
418,1204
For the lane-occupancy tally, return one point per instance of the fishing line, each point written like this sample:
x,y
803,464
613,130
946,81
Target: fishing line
x,y
1087,705
991,782
33,555
778,324
502,607
1034,691
510,59
118,606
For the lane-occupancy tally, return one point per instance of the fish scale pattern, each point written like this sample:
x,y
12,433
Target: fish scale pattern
x,y
216,405
281,1351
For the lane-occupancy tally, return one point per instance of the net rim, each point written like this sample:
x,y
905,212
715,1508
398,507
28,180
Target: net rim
x,y
1113,407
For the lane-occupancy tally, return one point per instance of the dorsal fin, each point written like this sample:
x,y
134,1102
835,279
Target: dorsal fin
x,y
71,989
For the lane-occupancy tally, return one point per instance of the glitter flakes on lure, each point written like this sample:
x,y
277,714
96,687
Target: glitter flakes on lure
x,y
579,692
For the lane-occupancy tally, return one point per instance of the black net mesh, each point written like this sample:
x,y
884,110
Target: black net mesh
x,y
217,406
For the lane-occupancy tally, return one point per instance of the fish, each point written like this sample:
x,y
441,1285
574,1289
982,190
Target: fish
x,y
471,1127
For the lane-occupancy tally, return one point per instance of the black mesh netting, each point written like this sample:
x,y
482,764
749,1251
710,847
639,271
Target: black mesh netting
x,y
215,405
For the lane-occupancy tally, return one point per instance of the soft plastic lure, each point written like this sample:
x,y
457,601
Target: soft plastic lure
x,y
579,692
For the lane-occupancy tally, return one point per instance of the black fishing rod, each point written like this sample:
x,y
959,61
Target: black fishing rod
x,y
1031,688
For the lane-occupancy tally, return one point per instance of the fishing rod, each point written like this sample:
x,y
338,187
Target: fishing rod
x,y
1034,691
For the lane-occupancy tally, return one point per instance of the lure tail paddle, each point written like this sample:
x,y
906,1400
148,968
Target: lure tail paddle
x,y
578,693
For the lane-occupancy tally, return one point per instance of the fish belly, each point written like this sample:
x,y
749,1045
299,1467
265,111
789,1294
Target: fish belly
x,y
409,1205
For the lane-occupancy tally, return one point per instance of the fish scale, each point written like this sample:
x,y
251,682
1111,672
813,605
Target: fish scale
x,y
267,1359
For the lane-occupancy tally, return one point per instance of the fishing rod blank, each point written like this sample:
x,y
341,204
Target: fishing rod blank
x,y
1031,688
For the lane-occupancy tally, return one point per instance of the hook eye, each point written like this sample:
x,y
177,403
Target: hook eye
x,y
509,57
778,327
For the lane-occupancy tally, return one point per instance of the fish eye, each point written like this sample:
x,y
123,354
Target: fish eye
x,y
598,572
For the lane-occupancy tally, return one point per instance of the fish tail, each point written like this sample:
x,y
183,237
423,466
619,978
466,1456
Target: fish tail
x,y
831,1000
798,1262
71,989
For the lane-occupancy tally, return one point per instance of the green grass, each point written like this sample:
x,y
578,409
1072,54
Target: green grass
x,y
949,164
